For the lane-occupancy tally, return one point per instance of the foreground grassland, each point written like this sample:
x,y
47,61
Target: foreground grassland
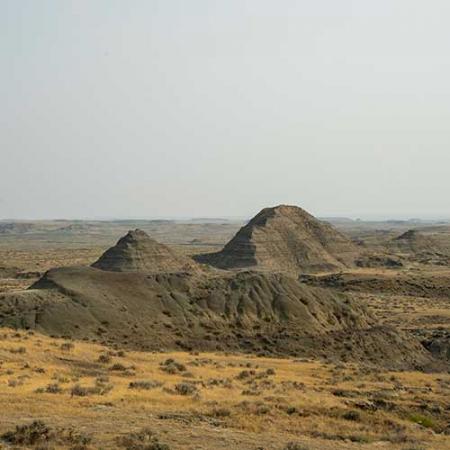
x,y
89,396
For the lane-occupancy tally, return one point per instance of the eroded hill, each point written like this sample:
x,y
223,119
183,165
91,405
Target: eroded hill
x,y
144,295
245,311
136,251
285,238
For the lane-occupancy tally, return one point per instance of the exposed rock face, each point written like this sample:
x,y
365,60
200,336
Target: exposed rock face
x,y
285,238
137,252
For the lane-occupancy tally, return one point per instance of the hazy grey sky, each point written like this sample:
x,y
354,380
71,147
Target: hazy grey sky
x,y
220,107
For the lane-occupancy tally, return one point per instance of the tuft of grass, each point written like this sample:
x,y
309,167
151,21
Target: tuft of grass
x,y
185,389
67,346
425,421
352,415
295,446
53,388
144,439
172,367
104,358
84,391
18,350
118,367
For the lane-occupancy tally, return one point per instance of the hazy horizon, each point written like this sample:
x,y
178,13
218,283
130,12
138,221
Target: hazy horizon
x,y
355,217
165,109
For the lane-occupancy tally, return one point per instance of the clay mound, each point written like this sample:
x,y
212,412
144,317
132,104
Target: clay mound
x,y
137,252
261,313
419,246
285,238
413,241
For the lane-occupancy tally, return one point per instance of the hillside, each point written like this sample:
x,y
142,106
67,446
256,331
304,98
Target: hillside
x,y
267,314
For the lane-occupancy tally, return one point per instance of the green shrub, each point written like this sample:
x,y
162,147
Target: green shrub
x,y
425,421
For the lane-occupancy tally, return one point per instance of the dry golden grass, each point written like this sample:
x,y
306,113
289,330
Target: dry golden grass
x,y
320,406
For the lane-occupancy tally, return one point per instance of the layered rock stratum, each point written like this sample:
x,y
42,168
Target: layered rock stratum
x,y
285,238
137,252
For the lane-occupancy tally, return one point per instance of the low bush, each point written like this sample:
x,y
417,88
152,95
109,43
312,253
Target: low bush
x,y
352,415
19,350
425,421
141,440
53,388
67,346
185,389
118,367
38,435
172,367
35,433
295,446
104,358
84,391
145,384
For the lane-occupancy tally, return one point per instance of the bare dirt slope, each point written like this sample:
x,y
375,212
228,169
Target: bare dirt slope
x,y
285,238
136,251
246,311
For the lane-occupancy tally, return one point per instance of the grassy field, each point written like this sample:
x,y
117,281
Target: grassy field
x,y
93,397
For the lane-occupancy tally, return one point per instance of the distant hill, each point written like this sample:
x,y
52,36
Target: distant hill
x,y
16,227
423,247
138,252
285,238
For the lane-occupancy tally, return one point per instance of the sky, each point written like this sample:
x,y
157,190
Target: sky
x,y
176,108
